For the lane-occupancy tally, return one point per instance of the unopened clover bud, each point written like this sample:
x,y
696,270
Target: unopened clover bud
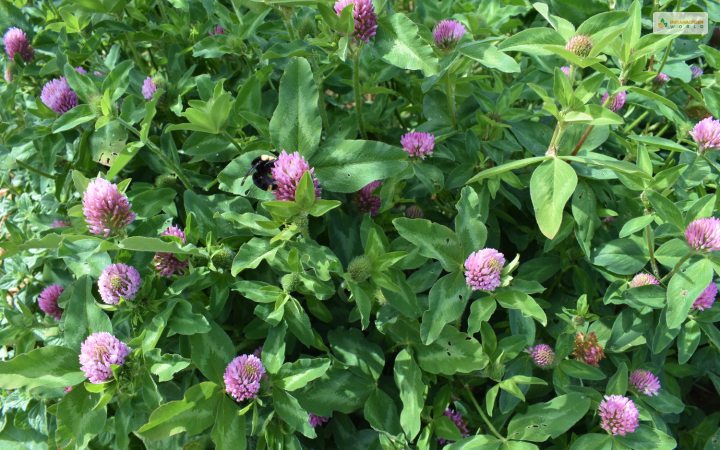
x,y
290,282
580,45
223,258
359,269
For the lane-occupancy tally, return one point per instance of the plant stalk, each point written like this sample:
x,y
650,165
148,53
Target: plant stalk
x,y
676,268
359,101
450,94
159,153
484,416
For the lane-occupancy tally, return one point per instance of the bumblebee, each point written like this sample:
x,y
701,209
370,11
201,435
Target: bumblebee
x,y
260,169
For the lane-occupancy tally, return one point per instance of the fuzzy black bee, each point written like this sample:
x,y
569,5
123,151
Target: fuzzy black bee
x,y
260,170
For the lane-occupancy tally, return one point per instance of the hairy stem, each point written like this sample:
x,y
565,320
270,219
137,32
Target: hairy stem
x,y
676,268
582,140
358,94
450,94
651,250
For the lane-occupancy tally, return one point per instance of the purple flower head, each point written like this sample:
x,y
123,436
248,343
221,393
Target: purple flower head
x,y
618,415
98,353
661,79
316,421
706,134
118,281
58,96
287,173
367,202
414,212
59,223
643,279
588,349
483,269
48,301
242,377
148,88
447,33
565,70
106,209
167,264
218,29
81,70
364,16
704,234
645,382
696,71
542,355
418,144
580,45
16,42
459,422
706,298
617,101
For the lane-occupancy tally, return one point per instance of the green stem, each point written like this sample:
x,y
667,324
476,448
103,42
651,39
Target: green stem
x,y
450,94
676,268
665,57
159,153
233,141
33,169
552,147
651,250
358,94
630,127
484,416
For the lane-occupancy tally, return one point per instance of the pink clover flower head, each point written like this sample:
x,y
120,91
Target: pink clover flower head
x,y
242,377
448,32
48,301
456,418
59,223
706,134
58,96
118,281
645,382
167,264
643,279
483,269
696,71
617,101
99,352
148,88
418,144
618,415
565,70
704,234
364,16
316,421
16,42
217,29
542,355
706,298
287,172
661,79
106,209
367,202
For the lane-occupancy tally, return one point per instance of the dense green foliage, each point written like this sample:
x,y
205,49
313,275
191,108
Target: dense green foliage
x,y
366,320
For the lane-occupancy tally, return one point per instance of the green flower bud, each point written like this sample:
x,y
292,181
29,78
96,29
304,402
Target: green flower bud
x,y
359,269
